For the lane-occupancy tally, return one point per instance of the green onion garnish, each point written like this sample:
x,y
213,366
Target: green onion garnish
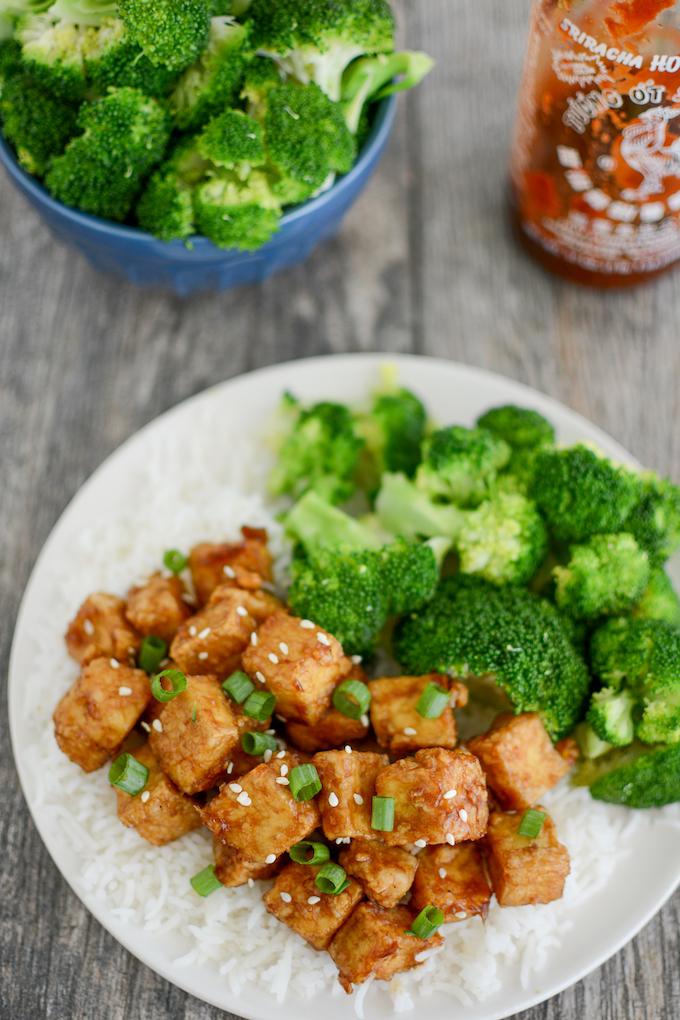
x,y
128,774
307,852
152,651
331,879
426,923
257,743
532,823
382,814
178,683
259,705
206,881
304,782
352,698
432,701
174,560
238,686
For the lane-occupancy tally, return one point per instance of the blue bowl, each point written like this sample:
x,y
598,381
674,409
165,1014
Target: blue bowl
x,y
142,259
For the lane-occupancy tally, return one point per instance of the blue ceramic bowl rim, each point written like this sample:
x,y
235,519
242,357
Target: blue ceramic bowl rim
x,y
382,125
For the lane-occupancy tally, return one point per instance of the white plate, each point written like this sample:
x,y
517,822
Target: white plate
x,y
640,882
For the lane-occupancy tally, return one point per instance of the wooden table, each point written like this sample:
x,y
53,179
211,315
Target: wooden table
x,y
424,263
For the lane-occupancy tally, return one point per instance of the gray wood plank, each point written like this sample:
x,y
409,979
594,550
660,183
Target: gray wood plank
x,y
425,263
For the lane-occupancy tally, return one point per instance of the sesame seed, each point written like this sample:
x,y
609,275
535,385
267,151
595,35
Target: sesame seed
x,y
283,648
420,842
88,627
203,656
267,756
241,610
244,799
348,749
270,733
270,858
157,725
410,731
230,767
280,754
186,597
125,692
253,638
358,799
114,664
460,914
235,787
192,631
450,794
284,769
282,781
450,839
228,571
260,676
145,796
442,872
364,720
204,633
323,639
273,658
286,897
463,815
313,900
357,660
250,883
333,799
306,624
145,726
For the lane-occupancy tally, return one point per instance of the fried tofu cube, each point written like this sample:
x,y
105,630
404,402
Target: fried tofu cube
x,y
158,607
100,629
385,873
300,663
439,796
519,759
244,564
348,785
195,734
315,916
398,725
160,813
374,942
333,729
95,716
213,640
257,815
232,869
525,870
453,878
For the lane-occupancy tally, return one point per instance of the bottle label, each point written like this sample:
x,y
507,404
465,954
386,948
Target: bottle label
x,y
596,158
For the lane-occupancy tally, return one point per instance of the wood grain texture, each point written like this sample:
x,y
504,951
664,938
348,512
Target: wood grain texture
x,y
424,263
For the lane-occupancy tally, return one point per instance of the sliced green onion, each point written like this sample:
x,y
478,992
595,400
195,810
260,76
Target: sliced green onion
x,y
331,879
304,782
432,701
307,852
352,698
152,651
128,774
206,881
238,686
382,814
426,923
177,680
532,823
174,560
259,705
257,743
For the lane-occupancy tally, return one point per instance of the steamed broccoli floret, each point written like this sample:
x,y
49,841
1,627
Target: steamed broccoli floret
x,y
411,571
655,519
370,79
172,33
315,524
237,214
112,59
659,600
581,494
212,83
611,716
37,125
306,140
405,510
261,76
639,777
393,429
232,140
520,427
473,629
166,208
52,53
461,464
10,59
589,744
320,452
604,576
100,172
503,540
316,40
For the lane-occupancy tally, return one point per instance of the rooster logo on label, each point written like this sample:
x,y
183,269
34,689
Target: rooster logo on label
x,y
644,148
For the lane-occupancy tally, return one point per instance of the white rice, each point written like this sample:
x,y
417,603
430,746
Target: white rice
x,y
197,497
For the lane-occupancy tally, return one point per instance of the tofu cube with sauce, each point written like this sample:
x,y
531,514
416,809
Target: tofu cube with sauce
x,y
157,606
300,663
333,729
213,640
374,942
522,869
258,815
100,629
97,713
315,916
398,725
160,813
519,759
453,878
195,734
233,869
244,564
439,796
348,785
385,873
